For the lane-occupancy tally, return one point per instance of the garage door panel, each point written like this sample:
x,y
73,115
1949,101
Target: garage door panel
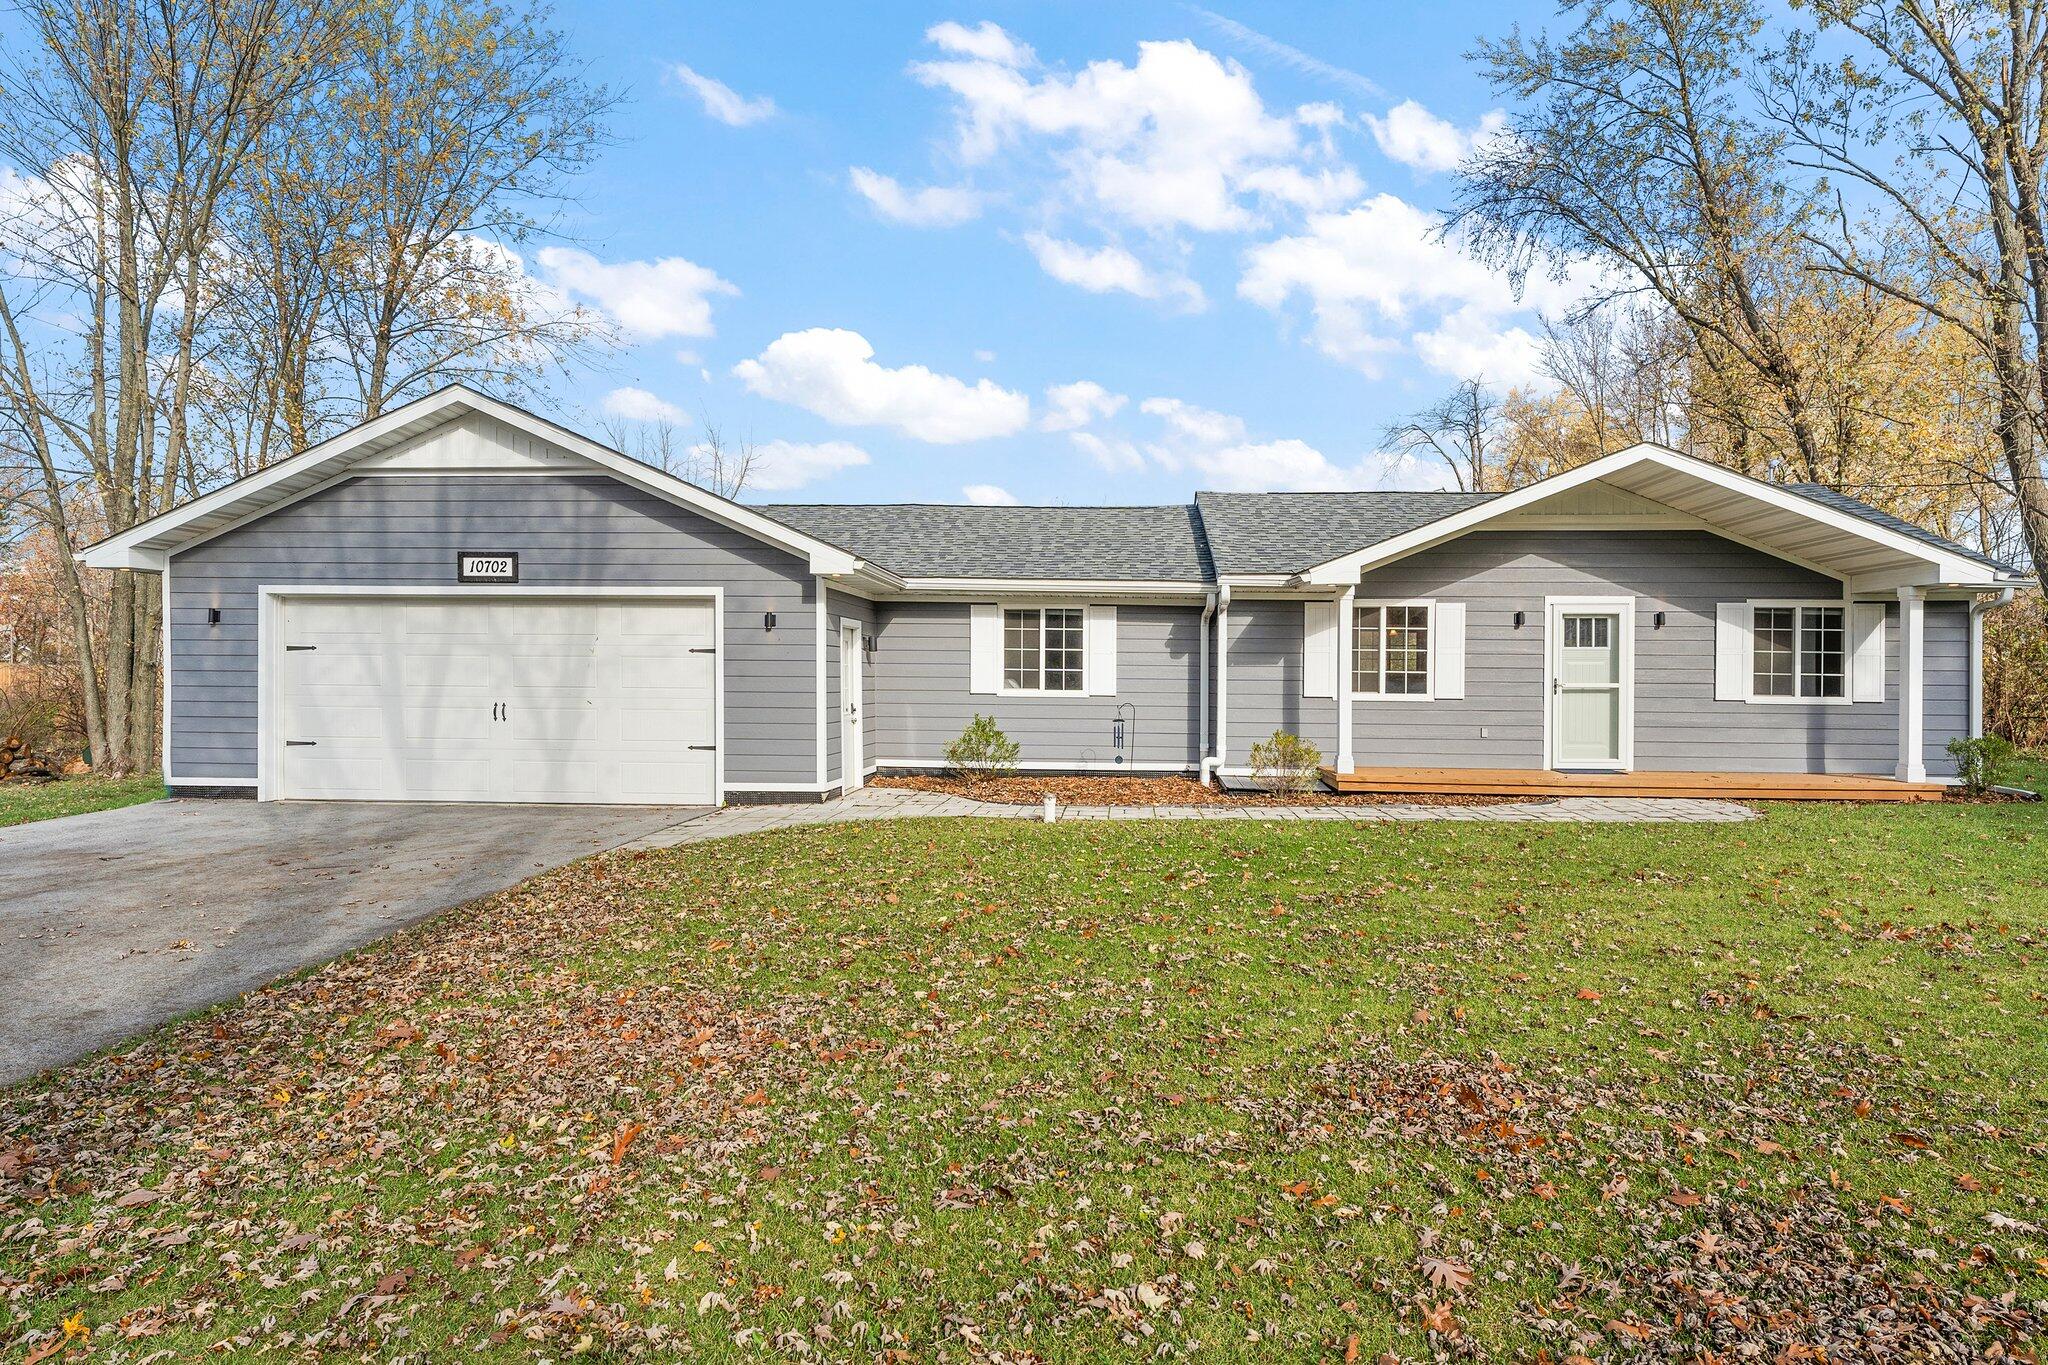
x,y
529,700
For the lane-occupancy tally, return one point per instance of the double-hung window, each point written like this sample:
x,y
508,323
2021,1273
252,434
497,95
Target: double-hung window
x,y
1042,649
1390,647
1799,652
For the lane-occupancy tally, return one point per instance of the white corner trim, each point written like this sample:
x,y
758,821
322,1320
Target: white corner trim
x,y
818,680
270,598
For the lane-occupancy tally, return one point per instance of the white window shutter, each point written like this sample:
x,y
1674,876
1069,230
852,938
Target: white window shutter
x,y
1866,666
1098,663
1731,651
1319,649
1450,650
985,648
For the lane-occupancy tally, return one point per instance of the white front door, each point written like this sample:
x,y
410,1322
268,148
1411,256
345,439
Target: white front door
x,y
1589,686
530,700
852,751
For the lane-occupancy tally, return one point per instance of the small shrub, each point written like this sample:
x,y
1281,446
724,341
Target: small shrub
x,y
1981,762
1286,763
982,751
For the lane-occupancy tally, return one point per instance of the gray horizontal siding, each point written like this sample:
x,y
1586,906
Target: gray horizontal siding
x,y
1678,723
922,702
570,531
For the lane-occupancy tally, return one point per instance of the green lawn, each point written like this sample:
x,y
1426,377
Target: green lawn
x,y
976,1090
22,802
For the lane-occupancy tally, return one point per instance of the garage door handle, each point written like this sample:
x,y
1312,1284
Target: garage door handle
x,y
294,649
703,746
703,649
300,743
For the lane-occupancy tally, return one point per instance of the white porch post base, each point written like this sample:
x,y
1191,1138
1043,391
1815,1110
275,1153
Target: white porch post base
x,y
1912,685
1343,689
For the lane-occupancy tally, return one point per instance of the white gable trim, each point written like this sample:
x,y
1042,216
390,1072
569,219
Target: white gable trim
x,y
149,544
1942,566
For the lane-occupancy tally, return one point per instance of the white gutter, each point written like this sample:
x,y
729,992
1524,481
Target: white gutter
x,y
1977,610
1221,610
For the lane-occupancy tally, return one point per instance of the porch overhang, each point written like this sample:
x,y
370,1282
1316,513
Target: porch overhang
x,y
1866,556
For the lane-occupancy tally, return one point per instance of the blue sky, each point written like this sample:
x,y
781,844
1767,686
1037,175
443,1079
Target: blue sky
x,y
887,240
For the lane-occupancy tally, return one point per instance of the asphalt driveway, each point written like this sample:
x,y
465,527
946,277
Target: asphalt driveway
x,y
113,922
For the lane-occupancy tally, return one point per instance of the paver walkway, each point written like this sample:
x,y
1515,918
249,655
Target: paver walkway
x,y
893,803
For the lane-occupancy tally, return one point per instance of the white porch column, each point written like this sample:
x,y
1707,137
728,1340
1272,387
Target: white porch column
x,y
1912,685
1343,688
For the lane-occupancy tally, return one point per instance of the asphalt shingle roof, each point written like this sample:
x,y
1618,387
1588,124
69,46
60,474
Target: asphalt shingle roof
x,y
1288,532
1842,502
938,540
1220,533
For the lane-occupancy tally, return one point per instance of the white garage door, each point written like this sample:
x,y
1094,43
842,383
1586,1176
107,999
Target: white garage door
x,y
512,700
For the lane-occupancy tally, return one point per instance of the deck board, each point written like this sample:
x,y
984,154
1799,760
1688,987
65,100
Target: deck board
x,y
1537,782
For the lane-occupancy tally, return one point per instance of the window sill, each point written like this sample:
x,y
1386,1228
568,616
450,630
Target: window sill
x,y
1797,701
1393,696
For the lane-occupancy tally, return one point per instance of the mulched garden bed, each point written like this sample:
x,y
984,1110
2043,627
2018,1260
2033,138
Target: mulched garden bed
x,y
1166,791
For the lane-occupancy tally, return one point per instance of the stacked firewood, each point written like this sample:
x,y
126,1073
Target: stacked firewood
x,y
16,760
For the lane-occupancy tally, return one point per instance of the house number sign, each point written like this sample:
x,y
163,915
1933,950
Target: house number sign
x,y
475,567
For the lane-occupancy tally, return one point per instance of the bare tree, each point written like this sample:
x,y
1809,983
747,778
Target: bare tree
x,y
1462,430
1942,120
1635,149
463,121
723,465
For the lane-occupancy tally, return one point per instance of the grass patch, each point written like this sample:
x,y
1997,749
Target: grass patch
x,y
992,1090
24,802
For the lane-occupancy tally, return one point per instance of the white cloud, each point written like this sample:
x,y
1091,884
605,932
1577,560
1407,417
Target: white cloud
x,y
988,495
722,102
831,371
1187,422
781,465
1078,404
1112,269
985,42
930,206
638,405
1113,453
648,299
1163,143
1380,277
1413,136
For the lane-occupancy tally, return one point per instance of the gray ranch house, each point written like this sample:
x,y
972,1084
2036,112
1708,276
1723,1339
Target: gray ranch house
x,y
461,601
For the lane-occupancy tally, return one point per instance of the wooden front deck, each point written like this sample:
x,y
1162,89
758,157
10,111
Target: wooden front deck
x,y
1538,782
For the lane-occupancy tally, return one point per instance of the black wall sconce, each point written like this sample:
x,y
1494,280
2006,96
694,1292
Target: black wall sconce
x,y
1657,620
1519,618
768,621
213,616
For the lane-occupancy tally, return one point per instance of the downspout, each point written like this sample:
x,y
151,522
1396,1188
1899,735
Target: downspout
x,y
1219,608
1977,609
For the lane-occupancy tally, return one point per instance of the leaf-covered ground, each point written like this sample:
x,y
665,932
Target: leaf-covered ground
x,y
22,801
1000,1091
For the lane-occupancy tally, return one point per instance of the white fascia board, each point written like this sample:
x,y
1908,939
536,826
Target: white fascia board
x,y
1943,567
130,551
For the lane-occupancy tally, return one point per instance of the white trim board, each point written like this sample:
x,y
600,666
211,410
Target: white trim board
x,y
270,597
1095,765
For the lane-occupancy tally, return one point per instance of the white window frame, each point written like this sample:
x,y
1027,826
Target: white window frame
x,y
1354,635
1755,698
1003,610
